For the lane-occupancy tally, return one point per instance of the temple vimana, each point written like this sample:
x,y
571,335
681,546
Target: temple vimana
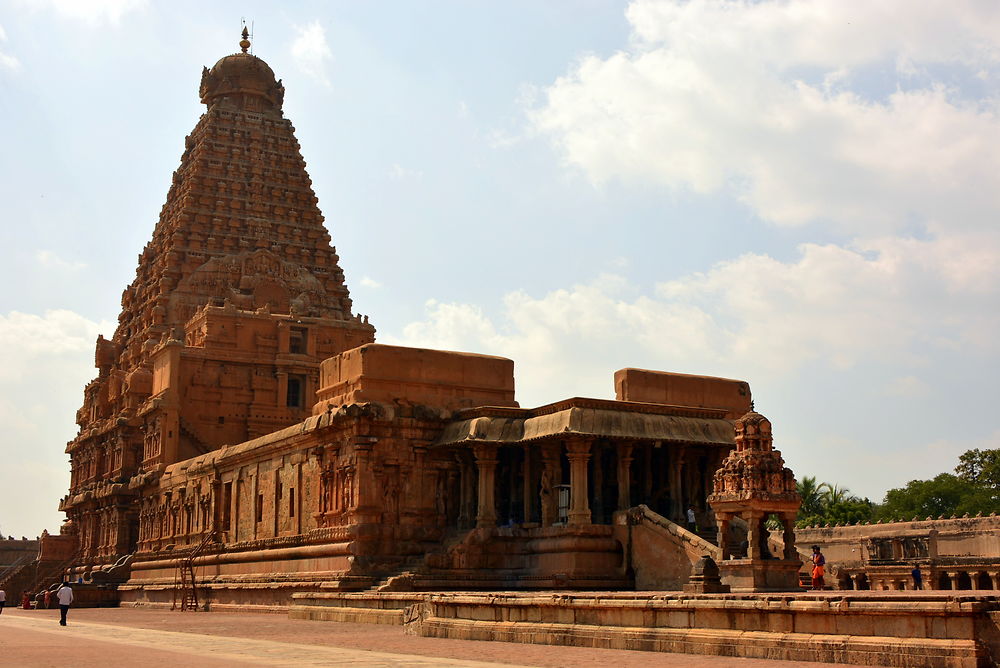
x,y
247,444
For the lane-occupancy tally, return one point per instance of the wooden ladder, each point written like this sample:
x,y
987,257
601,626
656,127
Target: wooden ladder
x,y
184,580
188,592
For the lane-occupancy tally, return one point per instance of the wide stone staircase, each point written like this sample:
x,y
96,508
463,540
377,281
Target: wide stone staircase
x,y
34,576
509,558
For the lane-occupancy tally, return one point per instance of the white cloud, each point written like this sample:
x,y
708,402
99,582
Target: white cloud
x,y
45,361
311,51
94,12
399,173
773,102
24,335
907,386
7,61
50,260
882,317
899,302
369,282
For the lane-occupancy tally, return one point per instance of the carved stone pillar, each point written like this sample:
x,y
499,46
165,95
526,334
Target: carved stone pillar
x,y
578,453
467,494
788,537
754,535
952,579
646,454
597,454
722,521
624,476
530,491
486,462
551,476
677,501
994,579
367,503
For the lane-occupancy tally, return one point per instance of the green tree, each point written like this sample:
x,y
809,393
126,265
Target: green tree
x,y
812,497
945,494
824,503
831,495
850,510
980,467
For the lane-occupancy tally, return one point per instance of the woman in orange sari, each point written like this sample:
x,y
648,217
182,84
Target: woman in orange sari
x,y
819,567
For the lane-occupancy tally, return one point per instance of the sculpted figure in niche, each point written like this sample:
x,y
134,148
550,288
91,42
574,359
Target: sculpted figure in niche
x,y
392,497
546,485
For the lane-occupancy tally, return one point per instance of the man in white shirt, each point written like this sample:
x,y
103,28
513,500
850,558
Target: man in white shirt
x,y
65,597
3,599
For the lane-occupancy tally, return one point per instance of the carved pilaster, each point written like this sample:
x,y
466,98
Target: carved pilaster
x,y
486,463
624,476
578,454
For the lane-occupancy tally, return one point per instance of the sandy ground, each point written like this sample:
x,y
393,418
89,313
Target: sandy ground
x,y
99,638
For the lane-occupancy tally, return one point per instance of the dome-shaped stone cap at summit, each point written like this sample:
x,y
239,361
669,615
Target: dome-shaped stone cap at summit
x,y
241,74
753,431
755,420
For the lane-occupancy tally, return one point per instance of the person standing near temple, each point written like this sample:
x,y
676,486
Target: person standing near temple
x,y
65,597
918,579
819,568
692,520
3,599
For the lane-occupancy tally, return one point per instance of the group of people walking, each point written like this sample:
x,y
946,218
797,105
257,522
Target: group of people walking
x,y
64,596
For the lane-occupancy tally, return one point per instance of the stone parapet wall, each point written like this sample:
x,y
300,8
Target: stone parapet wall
x,y
12,551
661,553
953,537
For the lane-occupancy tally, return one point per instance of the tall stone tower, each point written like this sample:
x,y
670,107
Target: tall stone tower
x,y
236,299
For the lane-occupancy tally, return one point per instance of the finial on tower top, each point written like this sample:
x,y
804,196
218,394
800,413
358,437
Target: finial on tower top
x,y
245,43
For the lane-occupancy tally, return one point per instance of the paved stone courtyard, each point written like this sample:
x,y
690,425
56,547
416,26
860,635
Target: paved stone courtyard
x,y
96,638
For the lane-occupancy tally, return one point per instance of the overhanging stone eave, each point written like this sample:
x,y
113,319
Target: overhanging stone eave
x,y
588,423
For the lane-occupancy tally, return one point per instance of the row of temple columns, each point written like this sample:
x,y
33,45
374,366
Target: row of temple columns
x,y
540,488
946,580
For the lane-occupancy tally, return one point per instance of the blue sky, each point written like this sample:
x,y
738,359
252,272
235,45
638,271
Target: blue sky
x,y
802,195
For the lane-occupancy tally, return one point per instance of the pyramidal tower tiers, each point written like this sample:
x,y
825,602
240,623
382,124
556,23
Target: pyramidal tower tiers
x,y
236,300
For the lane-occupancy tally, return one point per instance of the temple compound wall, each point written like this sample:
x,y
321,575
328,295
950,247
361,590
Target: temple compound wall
x,y
13,550
958,553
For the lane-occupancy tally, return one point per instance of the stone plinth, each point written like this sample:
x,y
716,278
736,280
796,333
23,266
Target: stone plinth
x,y
872,629
705,578
761,575
681,389
438,378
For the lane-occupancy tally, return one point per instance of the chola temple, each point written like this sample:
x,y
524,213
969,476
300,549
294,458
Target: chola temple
x,y
247,444
243,411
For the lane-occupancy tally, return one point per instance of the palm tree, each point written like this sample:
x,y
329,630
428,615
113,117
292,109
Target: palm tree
x,y
832,494
811,495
